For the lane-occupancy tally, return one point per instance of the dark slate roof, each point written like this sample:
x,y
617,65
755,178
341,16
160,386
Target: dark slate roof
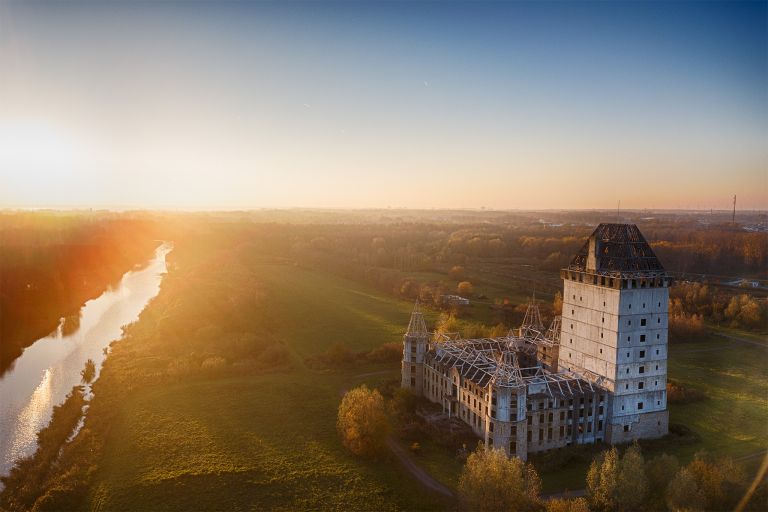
x,y
621,251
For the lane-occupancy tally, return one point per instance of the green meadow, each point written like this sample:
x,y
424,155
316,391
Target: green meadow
x,y
268,440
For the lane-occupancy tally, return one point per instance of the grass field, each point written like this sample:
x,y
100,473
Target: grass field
x,y
269,440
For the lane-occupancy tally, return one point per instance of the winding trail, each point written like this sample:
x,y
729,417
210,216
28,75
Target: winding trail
x,y
422,476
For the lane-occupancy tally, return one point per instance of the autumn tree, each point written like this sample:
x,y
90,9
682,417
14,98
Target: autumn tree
x,y
491,481
465,288
567,505
631,481
683,493
456,272
601,480
617,483
660,471
362,421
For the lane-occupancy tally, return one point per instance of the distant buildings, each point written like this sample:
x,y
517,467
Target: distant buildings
x,y
454,300
598,374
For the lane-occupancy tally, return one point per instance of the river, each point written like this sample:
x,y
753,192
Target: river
x,y
47,370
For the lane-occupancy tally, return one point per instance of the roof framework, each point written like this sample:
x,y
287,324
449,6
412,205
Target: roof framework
x,y
496,361
621,251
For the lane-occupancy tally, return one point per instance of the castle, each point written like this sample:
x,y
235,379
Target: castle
x,y
597,374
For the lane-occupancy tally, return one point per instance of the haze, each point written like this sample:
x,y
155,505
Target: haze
x,y
420,105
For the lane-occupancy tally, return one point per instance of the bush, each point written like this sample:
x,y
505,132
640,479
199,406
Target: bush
x,y
679,394
388,352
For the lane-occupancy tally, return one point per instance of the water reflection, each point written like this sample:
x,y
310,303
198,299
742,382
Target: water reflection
x,y
32,418
47,370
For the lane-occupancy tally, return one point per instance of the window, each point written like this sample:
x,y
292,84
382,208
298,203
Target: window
x,y
639,406
642,369
657,367
627,354
413,369
413,382
643,305
541,418
659,304
626,386
658,320
603,319
642,321
601,350
627,370
628,338
629,322
513,447
601,335
626,428
657,351
657,336
573,312
642,353
562,431
630,306
571,326
640,385
600,426
490,426
655,383
603,303
600,410
642,338
549,434
562,415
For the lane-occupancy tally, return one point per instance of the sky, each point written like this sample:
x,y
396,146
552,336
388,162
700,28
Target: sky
x,y
504,105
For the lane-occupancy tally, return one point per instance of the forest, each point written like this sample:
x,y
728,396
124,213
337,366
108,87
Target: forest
x,y
52,263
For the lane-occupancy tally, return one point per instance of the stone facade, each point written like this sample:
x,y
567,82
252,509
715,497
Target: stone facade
x,y
597,375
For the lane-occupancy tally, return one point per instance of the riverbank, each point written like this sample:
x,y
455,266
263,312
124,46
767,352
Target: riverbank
x,y
46,372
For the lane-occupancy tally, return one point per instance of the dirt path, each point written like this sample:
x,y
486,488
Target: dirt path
x,y
422,476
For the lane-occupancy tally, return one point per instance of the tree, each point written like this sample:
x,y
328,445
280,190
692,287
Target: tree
x,y
491,481
631,481
567,505
456,272
601,480
362,421
465,288
683,493
88,372
660,471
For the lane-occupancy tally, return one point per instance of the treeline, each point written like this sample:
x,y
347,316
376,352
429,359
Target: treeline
x,y
690,303
51,264
200,326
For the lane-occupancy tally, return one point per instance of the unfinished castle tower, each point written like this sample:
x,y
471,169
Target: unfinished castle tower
x,y
414,349
614,329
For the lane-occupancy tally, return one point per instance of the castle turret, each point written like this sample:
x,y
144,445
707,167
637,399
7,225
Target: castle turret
x,y
414,349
